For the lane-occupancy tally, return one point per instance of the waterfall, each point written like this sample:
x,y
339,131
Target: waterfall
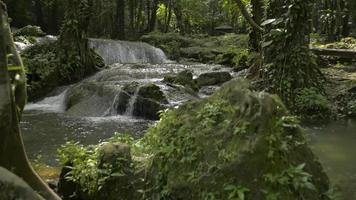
x,y
112,109
131,105
127,52
50,104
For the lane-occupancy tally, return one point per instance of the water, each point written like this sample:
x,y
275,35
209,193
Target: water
x,y
127,52
44,131
335,145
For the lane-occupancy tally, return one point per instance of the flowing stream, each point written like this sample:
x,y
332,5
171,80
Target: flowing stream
x,y
48,124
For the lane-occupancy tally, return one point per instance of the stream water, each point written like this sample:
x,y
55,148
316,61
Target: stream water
x,y
48,124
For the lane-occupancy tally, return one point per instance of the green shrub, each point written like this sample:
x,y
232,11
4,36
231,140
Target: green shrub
x,y
312,105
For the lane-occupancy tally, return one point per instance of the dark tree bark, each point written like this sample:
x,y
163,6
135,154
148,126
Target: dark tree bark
x,y
39,13
247,16
257,16
120,11
12,101
179,16
153,16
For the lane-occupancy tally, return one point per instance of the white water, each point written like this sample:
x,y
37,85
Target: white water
x,y
54,104
127,52
130,108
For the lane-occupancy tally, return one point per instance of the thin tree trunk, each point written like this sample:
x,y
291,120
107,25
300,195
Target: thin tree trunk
x,y
153,18
120,10
12,101
247,16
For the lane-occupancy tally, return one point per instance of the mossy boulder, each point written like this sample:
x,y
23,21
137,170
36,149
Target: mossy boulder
x,y
184,78
30,30
119,185
150,100
213,78
237,144
12,187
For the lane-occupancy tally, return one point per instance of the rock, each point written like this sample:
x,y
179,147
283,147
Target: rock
x,y
150,100
68,189
12,187
201,54
213,78
184,78
127,92
237,142
119,186
29,30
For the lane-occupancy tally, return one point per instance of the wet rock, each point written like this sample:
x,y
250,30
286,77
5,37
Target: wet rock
x,y
150,100
127,92
13,187
30,30
237,142
213,78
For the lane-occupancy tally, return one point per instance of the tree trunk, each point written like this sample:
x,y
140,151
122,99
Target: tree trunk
x,y
120,11
153,17
257,16
179,16
247,16
12,101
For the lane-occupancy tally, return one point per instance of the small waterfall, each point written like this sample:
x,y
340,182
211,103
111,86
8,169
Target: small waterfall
x,y
112,109
50,104
127,52
131,105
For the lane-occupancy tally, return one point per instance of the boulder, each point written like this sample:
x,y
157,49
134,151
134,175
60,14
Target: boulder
x,y
119,186
184,78
150,100
127,92
237,144
213,78
12,187
30,30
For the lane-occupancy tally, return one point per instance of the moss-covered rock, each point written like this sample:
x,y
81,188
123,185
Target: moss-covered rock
x,y
120,184
30,30
184,78
213,78
238,144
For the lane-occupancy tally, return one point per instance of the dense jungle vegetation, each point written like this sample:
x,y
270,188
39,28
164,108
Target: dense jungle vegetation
x,y
177,99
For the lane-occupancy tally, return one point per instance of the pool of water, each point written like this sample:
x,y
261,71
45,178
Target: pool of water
x,y
43,132
335,145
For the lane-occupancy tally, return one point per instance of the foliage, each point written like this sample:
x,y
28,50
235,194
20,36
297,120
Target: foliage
x,y
351,108
87,169
311,105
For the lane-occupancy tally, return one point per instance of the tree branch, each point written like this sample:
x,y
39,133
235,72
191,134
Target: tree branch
x,y
247,16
